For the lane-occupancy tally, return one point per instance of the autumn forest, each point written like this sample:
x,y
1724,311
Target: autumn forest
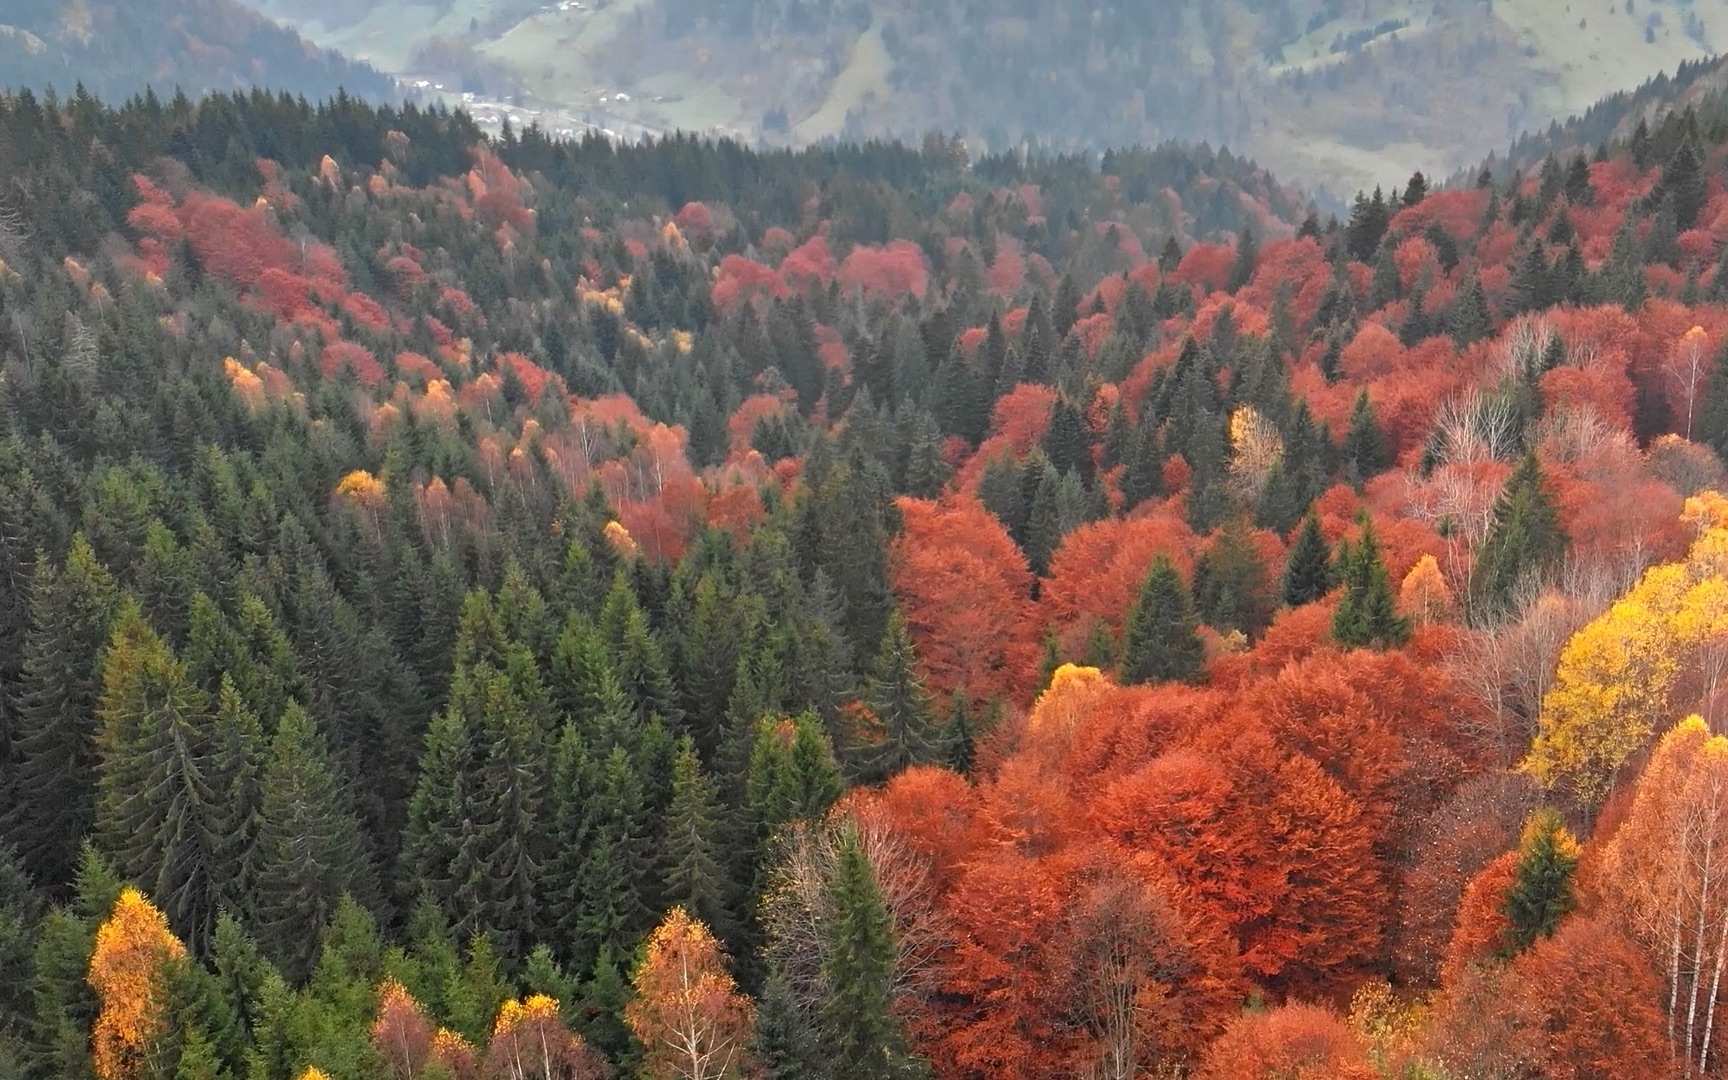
x,y
479,608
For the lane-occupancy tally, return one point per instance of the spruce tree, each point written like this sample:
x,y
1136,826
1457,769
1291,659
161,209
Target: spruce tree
x,y
1684,184
158,816
474,842
309,848
1247,258
54,736
786,1043
1308,572
1365,445
1712,423
1367,614
1044,521
1542,891
236,776
861,1033
1524,539
1230,587
694,875
904,733
1162,641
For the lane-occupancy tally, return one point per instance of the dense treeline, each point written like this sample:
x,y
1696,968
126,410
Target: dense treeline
x,y
682,611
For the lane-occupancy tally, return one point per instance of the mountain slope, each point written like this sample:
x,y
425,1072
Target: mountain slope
x,y
1322,91
116,48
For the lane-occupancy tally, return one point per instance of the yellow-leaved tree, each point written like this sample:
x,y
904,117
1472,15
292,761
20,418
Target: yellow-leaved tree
x,y
1660,650
1664,878
530,1042
126,970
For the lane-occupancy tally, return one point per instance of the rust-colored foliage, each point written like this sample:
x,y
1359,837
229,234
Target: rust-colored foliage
x,y
401,1034
530,1042
966,592
1292,1042
126,971
1481,924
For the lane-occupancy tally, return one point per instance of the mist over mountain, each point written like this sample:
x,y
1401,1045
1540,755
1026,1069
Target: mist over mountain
x,y
1341,92
116,48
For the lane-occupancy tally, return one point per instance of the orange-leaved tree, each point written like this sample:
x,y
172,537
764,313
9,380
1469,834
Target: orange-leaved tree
x,y
402,1034
126,970
691,1019
530,1042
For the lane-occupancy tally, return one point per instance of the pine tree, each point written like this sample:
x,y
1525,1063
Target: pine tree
x,y
1416,190
904,734
1162,642
54,737
1230,587
1384,287
793,775
157,815
1542,891
1365,445
1524,538
694,876
787,1042
1712,423
1531,287
309,850
1369,219
1308,572
1044,521
1683,183
1247,258
236,776
1622,276
861,1033
474,839
1367,613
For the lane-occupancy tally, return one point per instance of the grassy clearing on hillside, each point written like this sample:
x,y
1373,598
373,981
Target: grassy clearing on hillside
x,y
863,78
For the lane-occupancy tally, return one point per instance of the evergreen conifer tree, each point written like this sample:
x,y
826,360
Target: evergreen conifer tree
x,y
1308,572
863,1036
1524,538
309,848
54,739
1367,614
905,734
695,877
1162,642
1364,444
1542,891
158,814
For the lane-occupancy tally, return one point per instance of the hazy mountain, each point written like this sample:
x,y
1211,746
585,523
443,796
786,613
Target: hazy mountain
x,y
1326,91
117,47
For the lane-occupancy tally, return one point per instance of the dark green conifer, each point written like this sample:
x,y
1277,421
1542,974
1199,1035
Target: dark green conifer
x,y
1308,572
1524,539
862,1035
1162,642
1367,614
903,733
309,849
1365,445
1542,891
54,732
694,876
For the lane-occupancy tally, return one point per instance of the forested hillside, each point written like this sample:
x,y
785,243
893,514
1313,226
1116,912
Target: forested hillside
x,y
525,609
117,48
1324,91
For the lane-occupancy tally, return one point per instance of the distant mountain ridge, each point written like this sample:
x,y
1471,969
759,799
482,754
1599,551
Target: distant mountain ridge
x,y
1344,94
116,48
